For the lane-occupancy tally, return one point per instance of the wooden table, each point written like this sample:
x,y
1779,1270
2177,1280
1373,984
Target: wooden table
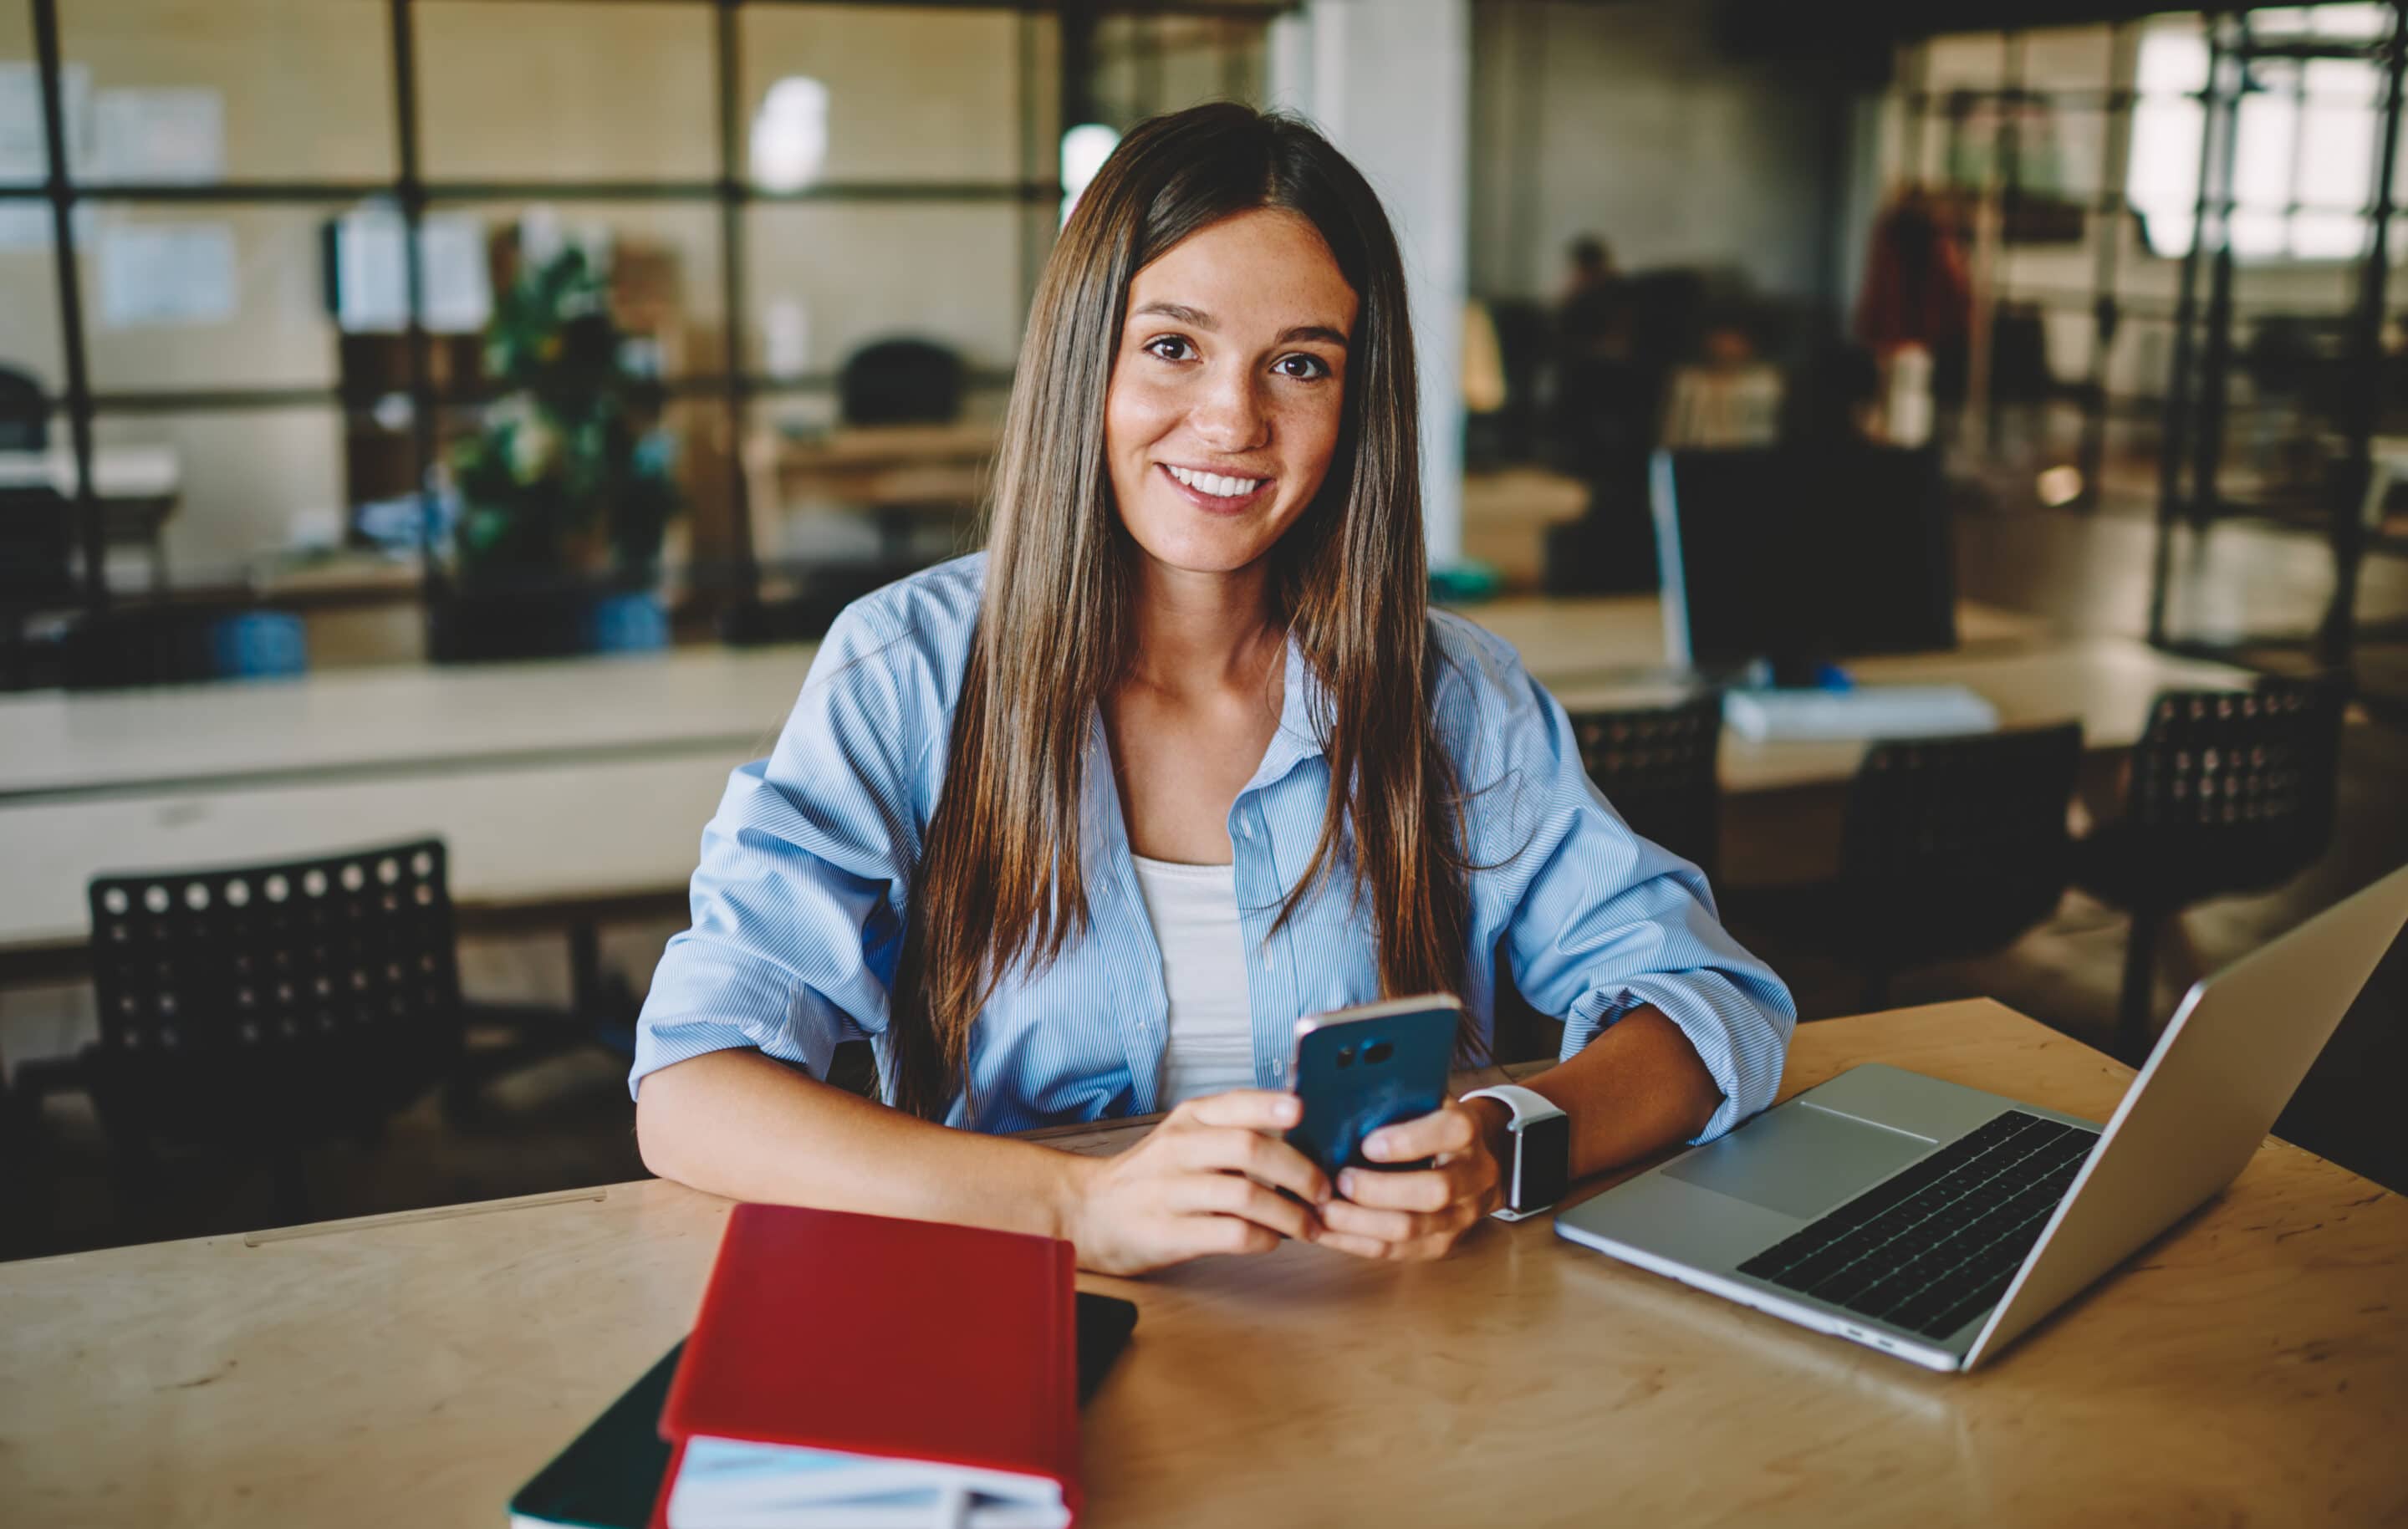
x,y
1507,513
117,472
895,474
559,842
2104,683
1620,637
398,721
413,1370
388,722
522,765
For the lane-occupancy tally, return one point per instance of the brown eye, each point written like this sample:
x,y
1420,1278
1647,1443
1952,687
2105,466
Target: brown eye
x,y
1164,345
1303,368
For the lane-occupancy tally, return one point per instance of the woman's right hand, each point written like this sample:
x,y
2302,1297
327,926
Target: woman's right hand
x,y
1205,1180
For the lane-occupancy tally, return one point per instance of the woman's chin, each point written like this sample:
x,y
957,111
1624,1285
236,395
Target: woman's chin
x,y
1203,554
1190,541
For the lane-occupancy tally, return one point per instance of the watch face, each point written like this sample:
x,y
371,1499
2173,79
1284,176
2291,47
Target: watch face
x,y
1546,1160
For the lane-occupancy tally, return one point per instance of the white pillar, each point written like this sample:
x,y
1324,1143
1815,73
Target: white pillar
x,y
1390,82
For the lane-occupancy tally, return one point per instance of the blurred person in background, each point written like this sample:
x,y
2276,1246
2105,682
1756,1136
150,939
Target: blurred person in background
x,y
1598,400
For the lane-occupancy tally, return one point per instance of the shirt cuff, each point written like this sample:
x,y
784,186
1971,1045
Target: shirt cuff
x,y
1743,1044
701,1002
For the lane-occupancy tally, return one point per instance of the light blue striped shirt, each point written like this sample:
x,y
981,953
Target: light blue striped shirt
x,y
807,867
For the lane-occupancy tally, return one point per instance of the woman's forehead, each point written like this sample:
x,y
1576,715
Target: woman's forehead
x,y
1265,268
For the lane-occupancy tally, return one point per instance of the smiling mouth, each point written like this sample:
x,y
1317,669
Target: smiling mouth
x,y
1216,491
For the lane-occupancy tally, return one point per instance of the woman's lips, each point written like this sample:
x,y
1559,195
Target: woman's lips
x,y
1213,504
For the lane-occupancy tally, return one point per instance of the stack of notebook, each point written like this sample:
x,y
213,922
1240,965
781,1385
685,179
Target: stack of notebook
x,y
856,1370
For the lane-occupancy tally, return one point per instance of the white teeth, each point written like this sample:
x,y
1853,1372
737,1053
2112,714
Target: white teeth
x,y
1217,485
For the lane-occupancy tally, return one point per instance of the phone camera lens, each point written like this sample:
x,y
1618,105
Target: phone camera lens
x,y
1346,1056
1377,1052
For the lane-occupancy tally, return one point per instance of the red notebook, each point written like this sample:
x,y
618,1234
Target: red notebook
x,y
864,1370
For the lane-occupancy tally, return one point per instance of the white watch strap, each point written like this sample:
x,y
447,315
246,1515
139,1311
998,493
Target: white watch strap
x,y
1527,1105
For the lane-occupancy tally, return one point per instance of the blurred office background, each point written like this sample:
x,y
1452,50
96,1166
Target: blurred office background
x,y
356,355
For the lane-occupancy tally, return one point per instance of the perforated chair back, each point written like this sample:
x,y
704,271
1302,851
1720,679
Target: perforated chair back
x,y
1657,766
1955,846
2233,790
281,1002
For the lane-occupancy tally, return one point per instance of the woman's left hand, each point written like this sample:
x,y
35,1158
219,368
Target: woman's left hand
x,y
1416,1215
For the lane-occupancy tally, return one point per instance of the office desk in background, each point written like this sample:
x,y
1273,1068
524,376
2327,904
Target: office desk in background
x,y
137,488
396,721
896,475
571,792
1507,513
576,790
413,1370
401,719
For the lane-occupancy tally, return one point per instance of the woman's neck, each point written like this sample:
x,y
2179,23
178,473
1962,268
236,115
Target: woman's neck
x,y
1198,632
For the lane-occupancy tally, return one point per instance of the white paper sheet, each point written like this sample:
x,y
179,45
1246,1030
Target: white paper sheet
x,y
371,282
24,147
167,274
158,136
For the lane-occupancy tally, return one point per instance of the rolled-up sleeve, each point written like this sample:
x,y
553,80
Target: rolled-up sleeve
x,y
1600,922
798,900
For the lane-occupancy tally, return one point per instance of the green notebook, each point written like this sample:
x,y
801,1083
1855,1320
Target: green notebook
x,y
610,1475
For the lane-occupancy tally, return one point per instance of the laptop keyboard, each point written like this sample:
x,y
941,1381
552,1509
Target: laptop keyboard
x,y
1937,1245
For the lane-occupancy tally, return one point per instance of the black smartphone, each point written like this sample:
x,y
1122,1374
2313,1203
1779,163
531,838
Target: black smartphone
x,y
1105,1323
1358,1069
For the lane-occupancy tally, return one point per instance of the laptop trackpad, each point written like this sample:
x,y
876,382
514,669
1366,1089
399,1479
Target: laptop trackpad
x,y
1801,1161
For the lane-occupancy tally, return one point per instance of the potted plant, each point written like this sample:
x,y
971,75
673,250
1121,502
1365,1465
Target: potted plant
x,y
565,488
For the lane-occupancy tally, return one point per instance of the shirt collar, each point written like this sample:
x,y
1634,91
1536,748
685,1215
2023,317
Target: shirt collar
x,y
1305,715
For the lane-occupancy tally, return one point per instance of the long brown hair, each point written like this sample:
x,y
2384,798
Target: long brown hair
x,y
1002,879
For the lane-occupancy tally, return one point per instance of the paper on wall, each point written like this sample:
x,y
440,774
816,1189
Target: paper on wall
x,y
372,282
24,145
167,274
159,135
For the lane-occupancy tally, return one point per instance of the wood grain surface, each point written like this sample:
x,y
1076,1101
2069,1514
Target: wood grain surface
x,y
2249,1367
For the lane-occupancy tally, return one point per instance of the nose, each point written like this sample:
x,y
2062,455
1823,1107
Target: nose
x,y
1230,415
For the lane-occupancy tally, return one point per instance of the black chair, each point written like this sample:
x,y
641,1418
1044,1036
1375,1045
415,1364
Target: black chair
x,y
24,412
1657,765
901,381
36,572
1950,848
267,1009
2229,791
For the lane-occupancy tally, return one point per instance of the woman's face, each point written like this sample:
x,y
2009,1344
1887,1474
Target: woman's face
x,y
1226,396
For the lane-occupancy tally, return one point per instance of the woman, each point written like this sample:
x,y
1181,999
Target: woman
x,y
1076,827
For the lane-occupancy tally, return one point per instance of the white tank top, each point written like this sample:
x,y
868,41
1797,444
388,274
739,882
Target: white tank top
x,y
1195,914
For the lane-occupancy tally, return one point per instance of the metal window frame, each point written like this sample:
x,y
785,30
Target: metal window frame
x,y
2190,411
414,193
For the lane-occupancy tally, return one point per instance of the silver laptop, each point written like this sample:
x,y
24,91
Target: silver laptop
x,y
1936,1223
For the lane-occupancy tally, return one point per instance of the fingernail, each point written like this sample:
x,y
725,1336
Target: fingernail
x,y
1321,1196
1376,1146
1291,1109
1346,1183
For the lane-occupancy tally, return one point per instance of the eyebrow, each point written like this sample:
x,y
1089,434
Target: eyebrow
x,y
1202,319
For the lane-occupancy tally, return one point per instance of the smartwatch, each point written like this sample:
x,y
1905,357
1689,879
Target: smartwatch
x,y
1540,1170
